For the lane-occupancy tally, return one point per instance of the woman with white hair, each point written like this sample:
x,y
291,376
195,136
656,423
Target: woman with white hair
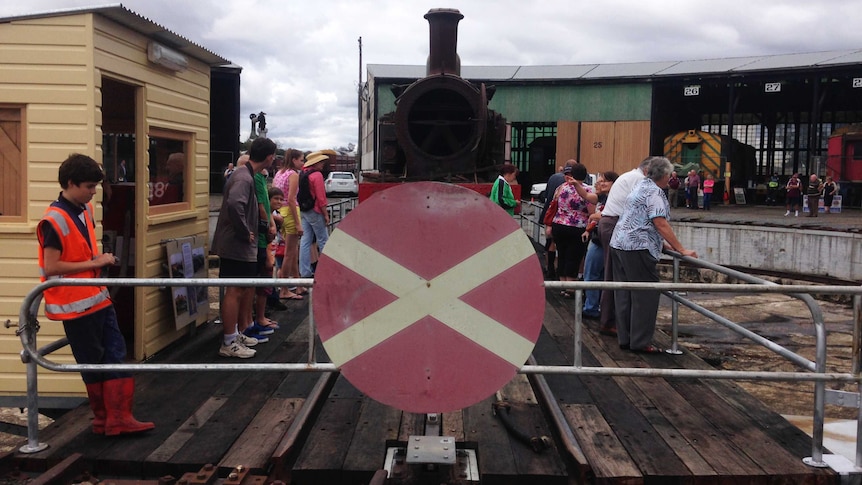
x,y
636,247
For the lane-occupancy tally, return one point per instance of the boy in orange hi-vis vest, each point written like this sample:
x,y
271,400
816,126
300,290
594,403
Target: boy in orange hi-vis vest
x,y
68,249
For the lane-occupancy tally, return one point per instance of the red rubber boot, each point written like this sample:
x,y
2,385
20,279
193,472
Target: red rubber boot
x,y
97,404
118,404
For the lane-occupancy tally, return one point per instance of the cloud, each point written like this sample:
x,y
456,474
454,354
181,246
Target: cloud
x,y
301,64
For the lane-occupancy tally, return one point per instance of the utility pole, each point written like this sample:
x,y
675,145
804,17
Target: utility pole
x,y
359,112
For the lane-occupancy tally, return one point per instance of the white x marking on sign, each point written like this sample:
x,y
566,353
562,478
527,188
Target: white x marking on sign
x,y
438,298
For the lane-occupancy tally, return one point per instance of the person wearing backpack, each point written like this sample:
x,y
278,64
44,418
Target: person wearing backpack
x,y
311,198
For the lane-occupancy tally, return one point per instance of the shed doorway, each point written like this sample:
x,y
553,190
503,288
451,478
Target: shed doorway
x,y
119,114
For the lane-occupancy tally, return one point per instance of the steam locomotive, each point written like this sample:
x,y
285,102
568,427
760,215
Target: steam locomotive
x,y
441,129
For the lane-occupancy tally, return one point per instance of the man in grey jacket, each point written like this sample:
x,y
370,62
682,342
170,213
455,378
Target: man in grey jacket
x,y
235,243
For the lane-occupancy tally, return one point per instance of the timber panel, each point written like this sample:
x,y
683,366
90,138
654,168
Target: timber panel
x,y
631,144
597,145
567,140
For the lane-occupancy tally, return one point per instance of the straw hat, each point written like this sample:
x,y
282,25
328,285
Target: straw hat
x,y
314,158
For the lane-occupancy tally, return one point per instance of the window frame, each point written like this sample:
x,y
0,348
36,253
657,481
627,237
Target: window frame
x,y
187,140
22,183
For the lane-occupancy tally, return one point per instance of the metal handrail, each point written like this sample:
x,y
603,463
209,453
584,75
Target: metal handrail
x,y
28,327
534,228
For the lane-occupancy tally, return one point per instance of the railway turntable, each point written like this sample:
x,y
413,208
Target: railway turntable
x,y
307,429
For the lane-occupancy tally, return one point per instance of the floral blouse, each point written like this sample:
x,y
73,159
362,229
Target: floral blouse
x,y
572,210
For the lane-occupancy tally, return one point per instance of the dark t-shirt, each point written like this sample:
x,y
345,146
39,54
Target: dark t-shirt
x,y
50,237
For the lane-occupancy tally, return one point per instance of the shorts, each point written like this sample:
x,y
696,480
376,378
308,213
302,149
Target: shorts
x,y
232,268
288,227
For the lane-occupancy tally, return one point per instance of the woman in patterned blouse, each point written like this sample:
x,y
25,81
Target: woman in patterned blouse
x,y
573,213
636,246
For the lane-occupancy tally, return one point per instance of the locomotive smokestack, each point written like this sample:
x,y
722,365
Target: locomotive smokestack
x,y
443,55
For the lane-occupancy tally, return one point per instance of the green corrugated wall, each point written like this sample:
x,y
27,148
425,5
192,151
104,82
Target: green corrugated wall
x,y
616,102
624,102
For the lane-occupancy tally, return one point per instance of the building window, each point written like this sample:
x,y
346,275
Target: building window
x,y
170,171
534,144
13,174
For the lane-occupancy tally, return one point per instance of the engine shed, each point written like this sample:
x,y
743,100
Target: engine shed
x,y
610,116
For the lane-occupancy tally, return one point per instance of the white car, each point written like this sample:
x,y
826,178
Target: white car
x,y
537,191
341,183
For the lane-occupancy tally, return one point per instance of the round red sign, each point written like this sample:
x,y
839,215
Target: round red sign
x,y
429,297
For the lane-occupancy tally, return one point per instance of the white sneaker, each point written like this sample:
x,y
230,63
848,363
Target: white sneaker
x,y
797,214
786,213
245,340
236,349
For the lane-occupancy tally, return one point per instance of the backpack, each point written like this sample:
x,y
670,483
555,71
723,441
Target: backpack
x,y
304,197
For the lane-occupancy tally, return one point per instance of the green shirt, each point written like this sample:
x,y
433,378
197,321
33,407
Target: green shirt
x,y
262,198
502,195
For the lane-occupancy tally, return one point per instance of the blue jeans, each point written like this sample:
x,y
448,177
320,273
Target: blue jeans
x,y
594,270
313,228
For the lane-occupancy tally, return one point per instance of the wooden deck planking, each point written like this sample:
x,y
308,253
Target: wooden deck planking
x,y
254,447
321,459
652,454
711,425
376,427
608,457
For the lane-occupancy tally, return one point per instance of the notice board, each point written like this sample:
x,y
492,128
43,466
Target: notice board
x,y
186,259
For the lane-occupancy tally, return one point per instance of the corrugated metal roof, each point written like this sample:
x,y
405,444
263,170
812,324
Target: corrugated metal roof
x,y
532,73
637,69
791,61
707,66
123,16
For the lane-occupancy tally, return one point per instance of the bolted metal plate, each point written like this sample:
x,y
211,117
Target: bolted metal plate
x,y
431,449
465,470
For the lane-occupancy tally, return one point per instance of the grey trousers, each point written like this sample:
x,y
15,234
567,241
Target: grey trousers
x,y
635,310
606,230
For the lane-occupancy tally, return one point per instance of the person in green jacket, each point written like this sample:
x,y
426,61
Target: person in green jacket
x,y
501,192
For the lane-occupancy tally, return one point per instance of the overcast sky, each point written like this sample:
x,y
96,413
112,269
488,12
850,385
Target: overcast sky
x,y
300,59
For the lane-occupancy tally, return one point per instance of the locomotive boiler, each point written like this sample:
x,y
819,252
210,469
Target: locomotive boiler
x,y
441,128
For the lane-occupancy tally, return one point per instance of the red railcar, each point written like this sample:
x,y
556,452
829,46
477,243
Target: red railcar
x,y
844,162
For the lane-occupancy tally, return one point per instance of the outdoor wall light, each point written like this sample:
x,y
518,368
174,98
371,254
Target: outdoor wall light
x,y
166,57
